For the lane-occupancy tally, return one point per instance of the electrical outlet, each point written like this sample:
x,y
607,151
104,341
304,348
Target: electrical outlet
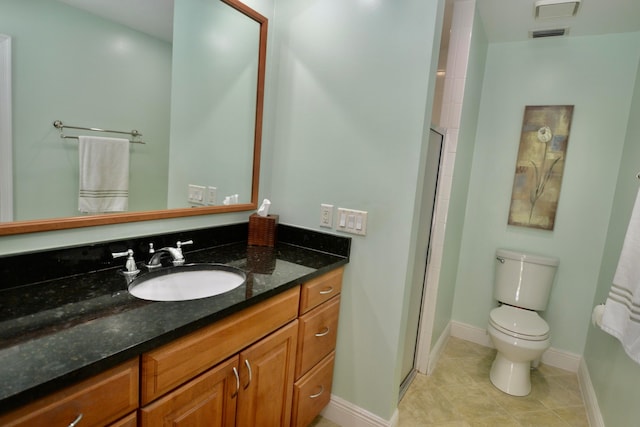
x,y
326,216
211,195
196,194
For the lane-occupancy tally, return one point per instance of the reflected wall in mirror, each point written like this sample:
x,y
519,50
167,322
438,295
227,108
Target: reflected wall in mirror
x,y
196,98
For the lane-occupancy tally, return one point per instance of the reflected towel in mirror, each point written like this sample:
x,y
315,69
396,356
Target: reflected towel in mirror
x,y
104,174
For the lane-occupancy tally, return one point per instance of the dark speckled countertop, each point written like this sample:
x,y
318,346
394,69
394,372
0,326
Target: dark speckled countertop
x,y
59,331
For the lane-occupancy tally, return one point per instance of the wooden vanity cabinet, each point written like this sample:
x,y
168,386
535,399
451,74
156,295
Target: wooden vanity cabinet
x,y
253,388
269,365
171,365
101,400
238,371
317,334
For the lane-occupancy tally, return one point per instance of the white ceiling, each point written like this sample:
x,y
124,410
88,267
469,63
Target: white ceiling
x,y
511,20
504,20
154,17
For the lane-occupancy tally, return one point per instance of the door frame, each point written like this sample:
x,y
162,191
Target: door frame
x,y
6,152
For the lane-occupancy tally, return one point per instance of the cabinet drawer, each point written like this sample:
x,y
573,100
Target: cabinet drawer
x,y
317,335
320,289
130,420
312,392
100,400
171,365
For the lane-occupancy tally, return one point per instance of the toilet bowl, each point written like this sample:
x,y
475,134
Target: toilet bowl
x,y
522,286
520,337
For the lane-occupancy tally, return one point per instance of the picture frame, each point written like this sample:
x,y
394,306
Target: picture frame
x,y
540,166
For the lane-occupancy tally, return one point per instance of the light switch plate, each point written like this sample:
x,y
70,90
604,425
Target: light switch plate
x,y
196,194
351,221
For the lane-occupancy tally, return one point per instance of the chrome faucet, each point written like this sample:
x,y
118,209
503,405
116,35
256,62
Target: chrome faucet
x,y
130,266
177,257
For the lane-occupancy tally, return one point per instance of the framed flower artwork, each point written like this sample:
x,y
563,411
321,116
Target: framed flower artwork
x,y
540,166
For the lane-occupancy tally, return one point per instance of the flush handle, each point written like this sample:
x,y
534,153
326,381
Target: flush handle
x,y
500,259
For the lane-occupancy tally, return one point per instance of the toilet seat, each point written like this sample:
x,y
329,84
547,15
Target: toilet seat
x,y
519,323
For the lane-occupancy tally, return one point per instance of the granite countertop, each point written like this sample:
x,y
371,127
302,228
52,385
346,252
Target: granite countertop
x,y
57,332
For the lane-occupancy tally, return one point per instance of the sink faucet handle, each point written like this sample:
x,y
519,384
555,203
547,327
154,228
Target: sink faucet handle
x,y
181,244
179,260
130,265
151,249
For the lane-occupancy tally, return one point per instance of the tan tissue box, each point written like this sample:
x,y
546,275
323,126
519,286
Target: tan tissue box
x,y
262,230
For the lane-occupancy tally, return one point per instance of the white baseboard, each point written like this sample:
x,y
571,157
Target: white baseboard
x,y
552,357
345,414
562,359
589,396
470,333
437,349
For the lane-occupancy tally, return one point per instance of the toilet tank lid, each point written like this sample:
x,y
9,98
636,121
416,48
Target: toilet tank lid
x,y
526,257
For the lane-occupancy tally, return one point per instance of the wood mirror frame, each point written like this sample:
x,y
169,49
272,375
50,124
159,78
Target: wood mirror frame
x,y
32,226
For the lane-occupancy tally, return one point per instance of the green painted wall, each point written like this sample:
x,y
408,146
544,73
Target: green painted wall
x,y
461,176
615,377
596,75
72,66
352,88
213,98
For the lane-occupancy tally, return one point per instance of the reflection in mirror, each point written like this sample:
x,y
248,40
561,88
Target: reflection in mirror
x,y
196,99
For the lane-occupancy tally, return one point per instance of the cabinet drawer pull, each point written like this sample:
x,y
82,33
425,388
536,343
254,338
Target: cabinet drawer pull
x,y
75,422
324,332
313,396
248,365
326,291
235,373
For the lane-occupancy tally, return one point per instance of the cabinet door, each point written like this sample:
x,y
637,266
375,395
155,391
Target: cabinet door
x,y
267,370
207,400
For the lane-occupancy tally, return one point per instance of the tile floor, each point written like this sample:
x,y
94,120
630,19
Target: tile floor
x,y
459,394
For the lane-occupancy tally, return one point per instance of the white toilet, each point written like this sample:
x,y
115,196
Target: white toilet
x,y
522,286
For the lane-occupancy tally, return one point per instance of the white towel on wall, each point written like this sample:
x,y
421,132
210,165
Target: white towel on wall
x,y
621,316
104,174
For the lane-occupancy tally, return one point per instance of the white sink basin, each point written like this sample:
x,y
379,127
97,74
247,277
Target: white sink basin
x,y
187,282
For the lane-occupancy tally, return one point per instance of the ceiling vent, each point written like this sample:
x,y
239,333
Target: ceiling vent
x,y
545,9
556,32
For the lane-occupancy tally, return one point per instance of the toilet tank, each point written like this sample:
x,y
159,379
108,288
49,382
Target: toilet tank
x,y
524,280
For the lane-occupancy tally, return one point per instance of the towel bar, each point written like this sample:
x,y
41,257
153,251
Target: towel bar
x,y
134,133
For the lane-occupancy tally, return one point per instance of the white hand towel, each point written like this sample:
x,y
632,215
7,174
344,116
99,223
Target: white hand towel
x,y
104,174
621,316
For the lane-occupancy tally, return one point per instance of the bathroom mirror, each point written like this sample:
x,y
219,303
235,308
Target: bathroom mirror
x,y
203,127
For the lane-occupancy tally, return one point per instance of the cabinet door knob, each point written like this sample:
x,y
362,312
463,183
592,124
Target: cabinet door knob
x,y
75,422
324,332
248,365
235,373
313,396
